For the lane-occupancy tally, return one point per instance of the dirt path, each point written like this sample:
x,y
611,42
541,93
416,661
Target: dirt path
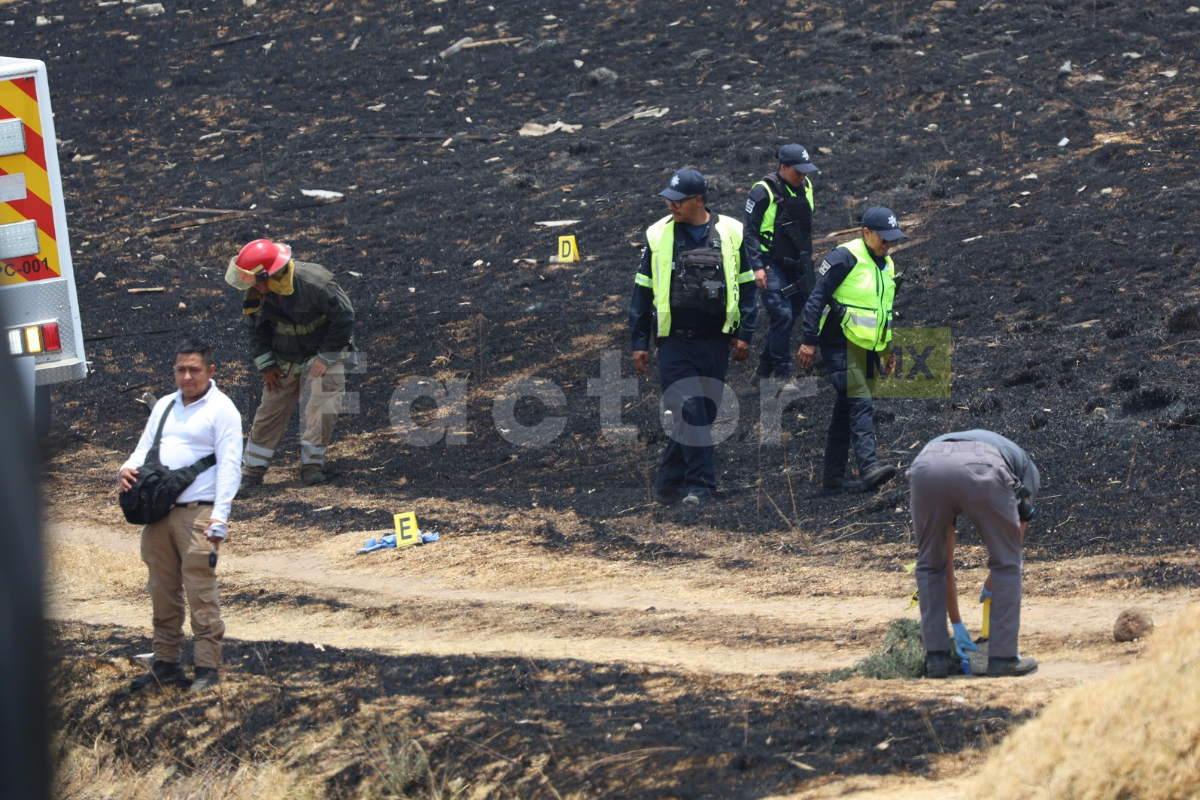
x,y
572,615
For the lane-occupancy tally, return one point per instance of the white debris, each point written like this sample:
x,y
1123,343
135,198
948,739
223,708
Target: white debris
x,y
99,276
249,3
1065,68
1132,55
578,64
536,129
1169,73
1063,142
149,9
1033,176
456,47
651,112
432,30
1093,78
266,48
324,194
379,107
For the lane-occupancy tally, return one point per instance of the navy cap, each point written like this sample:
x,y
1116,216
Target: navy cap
x,y
883,221
685,183
796,157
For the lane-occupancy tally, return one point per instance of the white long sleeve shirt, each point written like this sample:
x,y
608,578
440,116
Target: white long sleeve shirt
x,y
206,426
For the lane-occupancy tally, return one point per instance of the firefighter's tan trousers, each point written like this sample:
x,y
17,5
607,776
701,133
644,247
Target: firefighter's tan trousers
x,y
276,409
176,550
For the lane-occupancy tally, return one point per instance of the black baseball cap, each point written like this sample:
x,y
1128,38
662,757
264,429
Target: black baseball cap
x,y
685,183
796,157
883,221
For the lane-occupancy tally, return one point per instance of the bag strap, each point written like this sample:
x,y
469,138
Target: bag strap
x,y
195,469
152,456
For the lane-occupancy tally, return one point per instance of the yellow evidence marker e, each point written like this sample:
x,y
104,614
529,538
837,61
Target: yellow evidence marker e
x,y
567,249
407,532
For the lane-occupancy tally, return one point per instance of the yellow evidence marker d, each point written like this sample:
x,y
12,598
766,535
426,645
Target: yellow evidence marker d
x,y
407,532
567,249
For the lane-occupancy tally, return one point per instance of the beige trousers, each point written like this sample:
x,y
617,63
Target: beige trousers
x,y
176,550
276,409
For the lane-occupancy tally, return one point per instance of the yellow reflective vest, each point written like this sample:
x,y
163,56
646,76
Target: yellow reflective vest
x,y
660,238
766,231
867,294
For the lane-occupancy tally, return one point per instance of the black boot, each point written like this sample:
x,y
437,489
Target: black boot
x,y
940,664
206,678
162,673
1011,667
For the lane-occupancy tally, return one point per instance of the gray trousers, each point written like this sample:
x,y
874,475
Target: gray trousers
x,y
949,479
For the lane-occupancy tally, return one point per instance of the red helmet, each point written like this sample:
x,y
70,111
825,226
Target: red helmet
x,y
263,258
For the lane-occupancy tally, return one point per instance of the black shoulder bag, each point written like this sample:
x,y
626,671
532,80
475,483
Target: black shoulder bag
x,y
153,495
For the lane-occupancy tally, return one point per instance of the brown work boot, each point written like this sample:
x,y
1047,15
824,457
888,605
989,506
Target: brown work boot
x,y
312,474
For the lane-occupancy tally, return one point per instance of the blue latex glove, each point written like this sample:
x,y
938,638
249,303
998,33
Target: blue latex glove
x,y
962,640
985,594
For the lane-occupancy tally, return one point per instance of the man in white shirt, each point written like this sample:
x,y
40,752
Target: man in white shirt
x,y
201,421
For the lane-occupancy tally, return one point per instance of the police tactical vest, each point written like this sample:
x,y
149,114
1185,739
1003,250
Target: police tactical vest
x,y
867,294
665,270
786,209
698,278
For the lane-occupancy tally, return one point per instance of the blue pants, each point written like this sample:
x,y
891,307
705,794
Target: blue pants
x,y
687,463
777,353
853,419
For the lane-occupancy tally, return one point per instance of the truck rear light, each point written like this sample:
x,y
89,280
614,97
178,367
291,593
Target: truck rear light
x,y
50,337
14,342
33,339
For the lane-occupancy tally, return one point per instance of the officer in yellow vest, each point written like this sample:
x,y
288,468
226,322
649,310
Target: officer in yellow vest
x,y
778,235
849,314
694,295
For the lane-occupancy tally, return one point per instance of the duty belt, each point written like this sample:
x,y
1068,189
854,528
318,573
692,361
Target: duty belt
x,y
695,333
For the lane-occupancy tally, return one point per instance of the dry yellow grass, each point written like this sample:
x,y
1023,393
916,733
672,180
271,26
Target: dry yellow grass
x,y
1136,734
97,772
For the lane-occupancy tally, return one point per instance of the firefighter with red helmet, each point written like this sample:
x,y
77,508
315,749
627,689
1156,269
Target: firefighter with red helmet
x,y
300,325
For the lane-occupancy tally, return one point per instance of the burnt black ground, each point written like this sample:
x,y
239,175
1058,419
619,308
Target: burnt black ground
x,y
609,730
1066,293
1103,234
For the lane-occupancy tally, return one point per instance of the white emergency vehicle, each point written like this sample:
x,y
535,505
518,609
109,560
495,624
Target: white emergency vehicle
x,y
39,309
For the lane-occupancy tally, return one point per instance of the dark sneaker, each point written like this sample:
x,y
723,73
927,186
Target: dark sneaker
x,y
312,474
206,678
940,664
1011,667
877,476
843,484
669,497
757,378
162,673
696,498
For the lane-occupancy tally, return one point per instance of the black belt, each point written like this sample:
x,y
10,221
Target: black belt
x,y
194,504
695,333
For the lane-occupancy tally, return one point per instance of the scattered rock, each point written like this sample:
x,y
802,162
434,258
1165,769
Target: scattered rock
x,y
602,77
1038,420
149,10
1132,624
